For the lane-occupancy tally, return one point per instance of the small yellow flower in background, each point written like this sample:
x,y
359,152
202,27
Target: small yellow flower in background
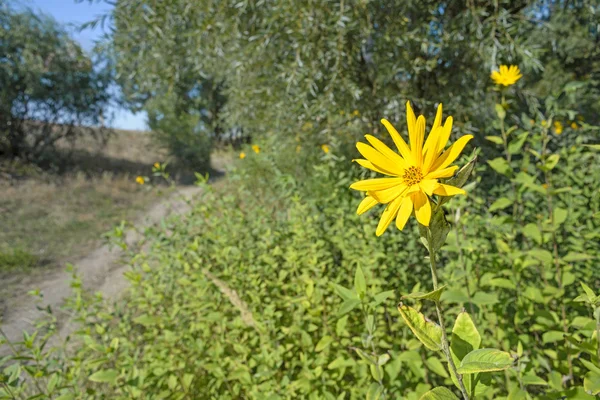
x,y
156,165
574,126
413,173
342,112
242,155
545,186
506,75
532,121
298,148
544,122
325,148
558,127
256,148
356,113
140,180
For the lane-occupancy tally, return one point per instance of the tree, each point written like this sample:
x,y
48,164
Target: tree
x,y
49,88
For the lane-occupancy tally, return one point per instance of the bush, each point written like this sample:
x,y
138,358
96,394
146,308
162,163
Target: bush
x,y
49,88
181,133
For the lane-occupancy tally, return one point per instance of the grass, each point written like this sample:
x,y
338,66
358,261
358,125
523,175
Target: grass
x,y
55,212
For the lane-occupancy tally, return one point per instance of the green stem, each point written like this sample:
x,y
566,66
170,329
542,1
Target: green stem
x,y
438,308
598,331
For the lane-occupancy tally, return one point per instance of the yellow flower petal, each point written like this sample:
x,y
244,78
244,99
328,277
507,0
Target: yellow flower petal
x,y
365,205
404,212
387,195
429,150
422,208
447,190
441,173
411,121
369,165
386,151
428,186
398,141
419,135
378,159
388,216
376,184
452,153
438,118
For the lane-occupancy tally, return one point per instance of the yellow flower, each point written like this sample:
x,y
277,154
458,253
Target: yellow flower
x,y
242,155
532,121
413,173
507,75
558,127
325,148
156,165
574,126
298,148
544,122
140,180
256,148
356,113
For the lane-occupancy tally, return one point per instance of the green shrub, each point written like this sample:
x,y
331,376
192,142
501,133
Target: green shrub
x,y
17,259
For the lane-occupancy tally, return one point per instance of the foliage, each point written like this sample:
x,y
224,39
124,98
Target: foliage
x,y
299,66
49,88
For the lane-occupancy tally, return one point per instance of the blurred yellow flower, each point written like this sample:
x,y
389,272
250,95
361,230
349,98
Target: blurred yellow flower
x,y
356,113
242,155
558,127
325,148
413,173
506,75
140,180
156,165
532,121
256,148
298,148
342,112
574,126
544,122
545,186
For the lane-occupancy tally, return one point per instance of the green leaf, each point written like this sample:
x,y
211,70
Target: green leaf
x,y
429,333
344,293
383,296
533,232
465,338
433,295
360,285
516,145
66,396
146,320
485,360
560,216
461,177
495,139
435,365
543,255
341,362
105,376
574,257
437,231
375,391
500,111
439,393
483,299
323,343
500,203
551,162
533,380
591,383
501,166
348,306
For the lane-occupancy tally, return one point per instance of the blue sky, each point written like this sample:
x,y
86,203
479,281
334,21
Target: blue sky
x,y
73,14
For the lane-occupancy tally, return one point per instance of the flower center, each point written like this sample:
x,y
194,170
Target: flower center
x,y
412,176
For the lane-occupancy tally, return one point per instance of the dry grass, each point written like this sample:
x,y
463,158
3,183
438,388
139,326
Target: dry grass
x,y
56,212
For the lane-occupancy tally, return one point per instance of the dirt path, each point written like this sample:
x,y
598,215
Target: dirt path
x,y
102,270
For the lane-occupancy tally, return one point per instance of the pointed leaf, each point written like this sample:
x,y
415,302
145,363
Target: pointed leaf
x,y
360,285
439,393
105,376
485,360
429,333
433,295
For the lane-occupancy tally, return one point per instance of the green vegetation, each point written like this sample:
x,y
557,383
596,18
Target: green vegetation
x,y
49,88
273,288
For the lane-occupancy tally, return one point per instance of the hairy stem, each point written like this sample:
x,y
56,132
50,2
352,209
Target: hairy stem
x,y
438,308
